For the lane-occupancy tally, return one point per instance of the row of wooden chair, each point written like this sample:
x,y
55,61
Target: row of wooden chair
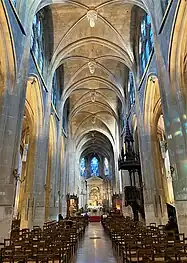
x,y
56,241
134,242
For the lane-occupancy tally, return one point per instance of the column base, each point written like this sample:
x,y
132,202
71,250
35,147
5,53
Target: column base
x,y
5,222
54,211
64,208
181,210
150,216
39,216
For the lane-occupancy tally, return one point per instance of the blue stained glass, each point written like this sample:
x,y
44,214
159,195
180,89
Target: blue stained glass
x,y
151,37
39,28
32,41
131,89
54,90
82,167
36,53
140,46
143,28
94,167
34,21
147,51
37,41
146,42
148,19
106,167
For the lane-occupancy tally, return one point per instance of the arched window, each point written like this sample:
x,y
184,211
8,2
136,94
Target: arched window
x,y
145,43
131,91
54,90
94,167
37,40
82,167
106,167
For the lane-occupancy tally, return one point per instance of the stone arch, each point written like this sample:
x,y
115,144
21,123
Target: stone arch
x,y
7,60
31,127
178,57
152,113
7,67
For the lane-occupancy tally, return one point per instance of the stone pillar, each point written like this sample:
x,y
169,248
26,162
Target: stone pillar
x,y
41,165
153,195
174,110
8,151
64,183
125,182
55,200
71,166
11,115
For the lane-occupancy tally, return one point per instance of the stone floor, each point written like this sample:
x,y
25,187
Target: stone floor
x,y
95,247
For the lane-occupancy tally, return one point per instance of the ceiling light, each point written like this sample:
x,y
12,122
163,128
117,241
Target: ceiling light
x,y
93,96
93,120
92,66
92,17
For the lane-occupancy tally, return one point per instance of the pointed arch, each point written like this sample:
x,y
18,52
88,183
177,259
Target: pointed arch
x,y
34,121
7,58
177,56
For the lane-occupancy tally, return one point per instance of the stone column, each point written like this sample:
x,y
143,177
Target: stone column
x,y
41,163
153,192
64,182
55,202
175,126
71,166
11,115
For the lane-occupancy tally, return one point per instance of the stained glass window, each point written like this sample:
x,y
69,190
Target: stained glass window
x,y
131,90
106,167
82,167
37,40
54,91
94,167
145,43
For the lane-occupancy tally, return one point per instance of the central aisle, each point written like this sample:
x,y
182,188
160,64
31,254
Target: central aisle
x,y
95,247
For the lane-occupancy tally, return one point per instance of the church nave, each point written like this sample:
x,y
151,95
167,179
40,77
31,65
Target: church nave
x,y
96,247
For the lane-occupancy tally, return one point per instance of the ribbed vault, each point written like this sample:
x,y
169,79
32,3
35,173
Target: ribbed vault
x,y
96,61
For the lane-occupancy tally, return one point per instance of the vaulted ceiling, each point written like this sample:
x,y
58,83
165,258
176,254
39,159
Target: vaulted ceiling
x,y
96,60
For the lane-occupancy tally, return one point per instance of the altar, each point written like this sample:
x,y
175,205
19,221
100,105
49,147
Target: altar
x,y
95,193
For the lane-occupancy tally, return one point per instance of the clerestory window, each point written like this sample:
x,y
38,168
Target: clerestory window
x,y
94,166
131,90
106,167
145,42
37,40
82,167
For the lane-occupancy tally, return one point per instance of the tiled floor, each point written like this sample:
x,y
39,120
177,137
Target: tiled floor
x,y
95,247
